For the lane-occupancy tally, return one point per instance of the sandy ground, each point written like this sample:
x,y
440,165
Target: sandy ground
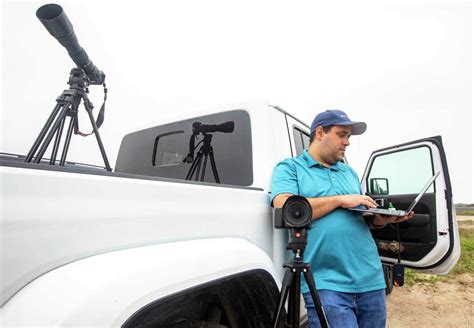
x,y
444,304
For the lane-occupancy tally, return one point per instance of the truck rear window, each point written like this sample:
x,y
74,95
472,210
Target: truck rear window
x,y
215,148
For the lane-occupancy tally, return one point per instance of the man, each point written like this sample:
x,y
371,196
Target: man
x,y
341,250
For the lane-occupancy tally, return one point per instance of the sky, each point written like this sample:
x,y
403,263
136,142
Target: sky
x,y
403,67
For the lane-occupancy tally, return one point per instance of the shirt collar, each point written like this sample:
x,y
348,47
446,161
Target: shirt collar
x,y
312,162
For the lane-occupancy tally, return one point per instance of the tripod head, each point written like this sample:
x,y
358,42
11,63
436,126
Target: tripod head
x,y
78,79
297,241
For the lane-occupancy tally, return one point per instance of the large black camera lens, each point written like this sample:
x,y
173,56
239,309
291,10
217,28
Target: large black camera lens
x,y
226,127
53,17
297,212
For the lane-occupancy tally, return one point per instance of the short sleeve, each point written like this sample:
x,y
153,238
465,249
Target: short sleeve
x,y
284,180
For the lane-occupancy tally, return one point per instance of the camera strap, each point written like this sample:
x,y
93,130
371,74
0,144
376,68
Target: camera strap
x,y
398,270
98,121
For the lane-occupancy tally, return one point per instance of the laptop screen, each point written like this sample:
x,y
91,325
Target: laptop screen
x,y
422,192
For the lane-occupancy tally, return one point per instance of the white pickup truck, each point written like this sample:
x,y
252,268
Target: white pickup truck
x,y
154,243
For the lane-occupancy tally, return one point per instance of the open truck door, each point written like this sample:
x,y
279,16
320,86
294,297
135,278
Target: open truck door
x,y
430,240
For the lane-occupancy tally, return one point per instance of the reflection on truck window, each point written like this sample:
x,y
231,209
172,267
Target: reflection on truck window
x,y
301,140
202,152
184,150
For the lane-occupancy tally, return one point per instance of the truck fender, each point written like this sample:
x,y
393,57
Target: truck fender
x,y
107,289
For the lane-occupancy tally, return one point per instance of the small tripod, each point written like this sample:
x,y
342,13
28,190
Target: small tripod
x,y
67,104
207,151
292,281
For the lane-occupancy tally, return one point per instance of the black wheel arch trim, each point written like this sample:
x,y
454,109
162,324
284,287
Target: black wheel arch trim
x,y
152,304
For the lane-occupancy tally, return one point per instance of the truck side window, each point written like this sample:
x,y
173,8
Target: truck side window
x,y
301,140
170,150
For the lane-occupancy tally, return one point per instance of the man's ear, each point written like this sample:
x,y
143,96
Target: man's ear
x,y
319,132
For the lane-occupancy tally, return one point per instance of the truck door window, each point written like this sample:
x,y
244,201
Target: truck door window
x,y
163,150
305,138
405,171
301,140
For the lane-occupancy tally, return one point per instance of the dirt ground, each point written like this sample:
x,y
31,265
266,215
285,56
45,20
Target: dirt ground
x,y
443,304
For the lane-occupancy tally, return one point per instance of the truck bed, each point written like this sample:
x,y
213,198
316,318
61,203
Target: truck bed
x,y
54,215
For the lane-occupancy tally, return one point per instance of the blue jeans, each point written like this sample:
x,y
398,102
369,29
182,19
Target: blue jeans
x,y
349,309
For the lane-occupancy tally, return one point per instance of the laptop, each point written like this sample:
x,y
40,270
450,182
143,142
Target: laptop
x,y
384,211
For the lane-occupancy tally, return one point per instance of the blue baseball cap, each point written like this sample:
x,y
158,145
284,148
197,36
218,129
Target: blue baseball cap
x,y
337,117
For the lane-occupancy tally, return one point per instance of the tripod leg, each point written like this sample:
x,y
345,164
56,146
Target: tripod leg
x,y
214,167
68,140
43,132
203,173
317,303
192,169
57,141
285,288
96,132
198,170
294,301
51,133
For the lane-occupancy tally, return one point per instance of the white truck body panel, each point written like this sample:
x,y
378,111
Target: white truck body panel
x,y
74,216
122,282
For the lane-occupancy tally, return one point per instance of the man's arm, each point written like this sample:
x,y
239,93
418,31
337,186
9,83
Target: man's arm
x,y
323,205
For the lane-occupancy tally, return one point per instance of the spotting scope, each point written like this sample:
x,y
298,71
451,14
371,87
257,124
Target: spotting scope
x,y
58,25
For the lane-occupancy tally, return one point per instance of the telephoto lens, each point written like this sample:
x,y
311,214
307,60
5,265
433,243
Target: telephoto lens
x,y
54,19
226,127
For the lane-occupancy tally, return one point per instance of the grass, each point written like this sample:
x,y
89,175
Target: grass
x,y
466,223
465,212
466,262
413,277
464,265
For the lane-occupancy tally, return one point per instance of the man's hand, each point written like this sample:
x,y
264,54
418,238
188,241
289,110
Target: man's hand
x,y
356,200
381,220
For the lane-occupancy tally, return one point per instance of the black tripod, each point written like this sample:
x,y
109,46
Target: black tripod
x,y
205,151
67,104
292,281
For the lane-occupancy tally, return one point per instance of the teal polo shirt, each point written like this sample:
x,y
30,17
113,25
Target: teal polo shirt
x,y
341,250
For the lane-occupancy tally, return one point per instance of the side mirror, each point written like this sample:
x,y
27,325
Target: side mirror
x,y
379,186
